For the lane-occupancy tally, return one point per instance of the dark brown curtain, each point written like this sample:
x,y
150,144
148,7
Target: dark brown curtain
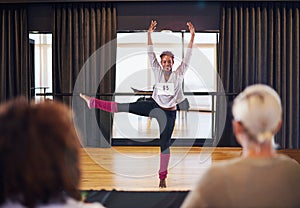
x,y
14,71
80,32
259,43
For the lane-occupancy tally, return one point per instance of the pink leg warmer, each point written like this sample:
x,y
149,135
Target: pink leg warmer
x,y
108,106
164,162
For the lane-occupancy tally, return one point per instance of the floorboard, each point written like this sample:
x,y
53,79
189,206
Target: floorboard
x,y
134,168
128,168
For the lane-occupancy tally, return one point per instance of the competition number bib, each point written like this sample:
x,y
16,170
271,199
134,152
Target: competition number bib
x,y
165,88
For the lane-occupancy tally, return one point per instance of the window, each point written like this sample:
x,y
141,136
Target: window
x,y
133,71
43,63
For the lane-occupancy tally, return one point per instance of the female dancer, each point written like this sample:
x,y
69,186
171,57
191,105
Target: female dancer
x,y
166,95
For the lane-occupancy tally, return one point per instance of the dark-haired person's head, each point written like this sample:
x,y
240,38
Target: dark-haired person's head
x,y
39,153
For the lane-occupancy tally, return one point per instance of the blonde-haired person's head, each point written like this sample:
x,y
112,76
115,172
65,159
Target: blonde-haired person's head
x,y
258,109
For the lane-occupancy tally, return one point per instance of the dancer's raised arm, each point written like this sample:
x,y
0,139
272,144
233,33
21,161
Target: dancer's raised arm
x,y
151,28
192,31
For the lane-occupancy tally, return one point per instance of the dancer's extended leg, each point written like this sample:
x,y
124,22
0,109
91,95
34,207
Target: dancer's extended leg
x,y
92,102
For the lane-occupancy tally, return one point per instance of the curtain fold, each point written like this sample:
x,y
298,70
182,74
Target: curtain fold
x,y
259,43
14,72
80,32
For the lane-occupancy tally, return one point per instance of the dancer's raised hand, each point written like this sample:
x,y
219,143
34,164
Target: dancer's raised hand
x,y
191,28
152,26
192,31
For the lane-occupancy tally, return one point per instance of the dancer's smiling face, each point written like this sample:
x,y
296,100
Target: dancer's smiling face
x,y
167,62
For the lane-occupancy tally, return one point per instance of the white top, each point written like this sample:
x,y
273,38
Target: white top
x,y
248,182
70,203
173,85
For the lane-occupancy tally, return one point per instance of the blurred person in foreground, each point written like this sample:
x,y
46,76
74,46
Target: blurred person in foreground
x,y
39,156
261,177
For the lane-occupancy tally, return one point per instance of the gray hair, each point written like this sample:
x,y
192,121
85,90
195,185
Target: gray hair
x,y
259,109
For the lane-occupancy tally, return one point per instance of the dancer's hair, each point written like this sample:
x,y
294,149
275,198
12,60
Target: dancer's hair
x,y
167,53
259,110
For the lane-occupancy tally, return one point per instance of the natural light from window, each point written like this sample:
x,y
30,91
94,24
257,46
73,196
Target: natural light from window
x,y
43,63
133,71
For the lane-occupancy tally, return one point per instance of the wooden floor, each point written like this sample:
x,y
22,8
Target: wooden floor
x,y
135,168
128,168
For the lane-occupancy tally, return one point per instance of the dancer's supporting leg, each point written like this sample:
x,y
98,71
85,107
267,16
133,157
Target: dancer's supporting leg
x,y
163,170
166,126
166,121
